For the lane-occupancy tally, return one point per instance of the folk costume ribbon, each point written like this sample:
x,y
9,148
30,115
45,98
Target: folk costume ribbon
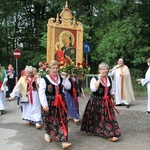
x,y
122,83
108,100
75,95
30,88
59,103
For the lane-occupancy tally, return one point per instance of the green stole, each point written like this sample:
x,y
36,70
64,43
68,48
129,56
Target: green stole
x,y
3,74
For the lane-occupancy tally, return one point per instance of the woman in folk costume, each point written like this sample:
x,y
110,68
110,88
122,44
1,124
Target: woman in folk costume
x,y
99,116
54,110
123,85
27,86
3,80
71,97
146,81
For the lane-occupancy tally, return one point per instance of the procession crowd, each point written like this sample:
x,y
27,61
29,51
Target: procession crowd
x,y
51,101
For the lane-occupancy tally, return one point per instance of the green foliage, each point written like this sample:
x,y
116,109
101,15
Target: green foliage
x,y
119,41
87,91
32,58
141,57
87,29
43,39
139,90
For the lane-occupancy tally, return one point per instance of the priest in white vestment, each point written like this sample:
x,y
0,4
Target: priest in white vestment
x,y
122,82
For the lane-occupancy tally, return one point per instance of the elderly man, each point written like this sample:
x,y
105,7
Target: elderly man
x,y
122,82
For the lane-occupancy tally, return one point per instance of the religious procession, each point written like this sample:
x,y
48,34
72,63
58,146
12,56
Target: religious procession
x,y
67,91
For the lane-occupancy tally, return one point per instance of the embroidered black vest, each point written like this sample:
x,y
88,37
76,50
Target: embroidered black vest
x,y
50,89
100,91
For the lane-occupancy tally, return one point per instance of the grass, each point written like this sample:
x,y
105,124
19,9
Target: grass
x,y
87,91
139,90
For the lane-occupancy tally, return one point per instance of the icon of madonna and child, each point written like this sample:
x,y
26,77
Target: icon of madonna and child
x,y
65,52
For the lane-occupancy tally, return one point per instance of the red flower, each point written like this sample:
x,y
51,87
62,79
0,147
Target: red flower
x,y
44,67
78,64
41,64
69,62
84,64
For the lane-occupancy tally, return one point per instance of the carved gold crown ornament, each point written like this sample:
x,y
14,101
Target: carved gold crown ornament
x,y
62,27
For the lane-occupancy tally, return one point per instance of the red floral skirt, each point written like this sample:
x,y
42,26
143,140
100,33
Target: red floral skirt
x,y
96,120
52,122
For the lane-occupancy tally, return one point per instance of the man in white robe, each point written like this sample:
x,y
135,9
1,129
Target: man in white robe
x,y
122,82
146,81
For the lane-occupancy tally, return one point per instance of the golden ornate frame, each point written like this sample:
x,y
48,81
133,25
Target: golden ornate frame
x,y
64,23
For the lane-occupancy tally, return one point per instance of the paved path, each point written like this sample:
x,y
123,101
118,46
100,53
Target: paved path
x,y
134,125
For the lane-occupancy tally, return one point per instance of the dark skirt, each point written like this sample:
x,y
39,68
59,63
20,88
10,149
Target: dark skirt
x,y
52,122
96,120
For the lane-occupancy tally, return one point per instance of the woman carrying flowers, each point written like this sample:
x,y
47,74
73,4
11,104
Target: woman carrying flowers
x,y
54,110
71,95
99,116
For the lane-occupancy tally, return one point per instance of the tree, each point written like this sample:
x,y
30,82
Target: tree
x,y
118,34
115,28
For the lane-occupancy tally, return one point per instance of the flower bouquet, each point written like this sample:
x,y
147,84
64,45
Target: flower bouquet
x,y
79,69
43,69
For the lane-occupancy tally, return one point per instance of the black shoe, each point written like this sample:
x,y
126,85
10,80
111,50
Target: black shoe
x,y
118,104
127,106
147,113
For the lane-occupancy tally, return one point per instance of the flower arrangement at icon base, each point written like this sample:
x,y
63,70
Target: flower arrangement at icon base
x,y
43,69
79,69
